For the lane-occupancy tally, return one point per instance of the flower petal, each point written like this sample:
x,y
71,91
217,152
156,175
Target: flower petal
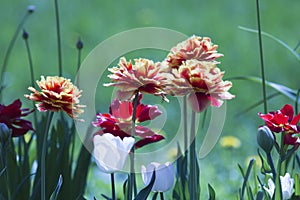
x,y
148,140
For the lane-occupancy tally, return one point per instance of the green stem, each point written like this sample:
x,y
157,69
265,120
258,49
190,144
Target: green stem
x,y
161,196
113,190
79,47
261,57
185,132
3,152
193,176
9,49
25,37
43,158
271,163
296,101
278,189
58,38
131,181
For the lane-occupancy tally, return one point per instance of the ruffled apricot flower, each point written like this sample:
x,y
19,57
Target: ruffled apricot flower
x,y
195,47
57,93
142,75
202,81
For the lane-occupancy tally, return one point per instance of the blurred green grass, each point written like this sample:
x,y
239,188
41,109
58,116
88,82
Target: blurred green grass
x,y
95,21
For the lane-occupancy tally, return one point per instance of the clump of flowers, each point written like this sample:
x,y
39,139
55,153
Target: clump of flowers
x,y
287,185
142,75
57,93
119,120
202,81
195,47
11,115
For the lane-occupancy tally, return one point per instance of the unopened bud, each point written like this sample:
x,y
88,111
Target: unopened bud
x,y
25,35
265,138
5,133
31,8
79,44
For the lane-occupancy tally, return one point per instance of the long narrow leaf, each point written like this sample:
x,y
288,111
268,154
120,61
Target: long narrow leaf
x,y
241,170
260,195
106,197
2,171
54,195
211,192
246,177
144,193
286,91
275,39
21,184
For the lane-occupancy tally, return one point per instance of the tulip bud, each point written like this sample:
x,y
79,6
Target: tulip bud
x,y
265,138
79,44
25,35
31,8
164,176
5,133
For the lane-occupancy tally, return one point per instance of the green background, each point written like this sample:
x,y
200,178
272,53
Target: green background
x,y
95,21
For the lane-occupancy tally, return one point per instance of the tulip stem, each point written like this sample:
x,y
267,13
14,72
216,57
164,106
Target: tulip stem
x,y
43,158
113,190
193,160
261,57
278,189
131,181
9,49
271,163
58,38
25,37
185,124
161,196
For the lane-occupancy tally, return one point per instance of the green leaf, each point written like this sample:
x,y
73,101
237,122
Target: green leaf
x,y
297,185
25,179
265,166
241,170
274,38
211,192
286,91
155,196
106,197
125,190
2,171
144,193
246,178
54,195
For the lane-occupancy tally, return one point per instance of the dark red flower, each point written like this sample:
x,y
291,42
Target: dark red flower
x,y
11,116
118,121
283,120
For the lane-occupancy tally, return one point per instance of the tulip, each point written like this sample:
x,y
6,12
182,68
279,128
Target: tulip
x,y
287,184
111,152
164,176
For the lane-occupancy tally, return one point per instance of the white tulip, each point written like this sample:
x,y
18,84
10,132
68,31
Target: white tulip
x,y
287,184
164,176
111,152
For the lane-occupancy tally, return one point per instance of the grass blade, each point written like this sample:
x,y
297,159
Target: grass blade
x,y
54,195
273,38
